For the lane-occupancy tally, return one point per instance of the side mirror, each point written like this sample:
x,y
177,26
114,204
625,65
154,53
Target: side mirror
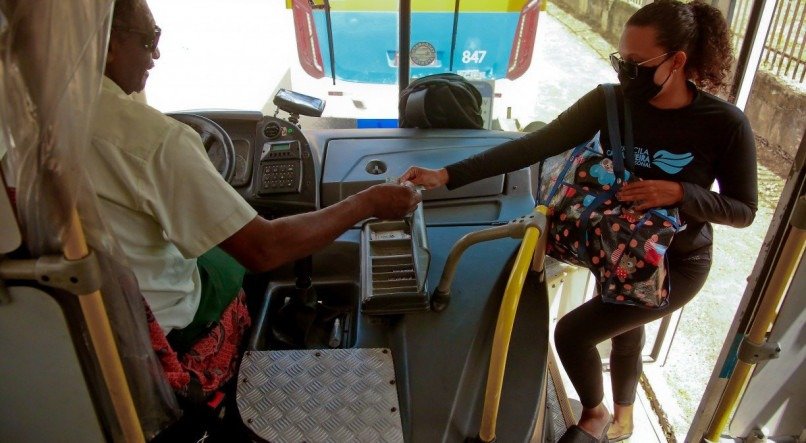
x,y
299,104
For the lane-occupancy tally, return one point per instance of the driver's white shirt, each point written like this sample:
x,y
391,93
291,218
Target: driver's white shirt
x,y
161,198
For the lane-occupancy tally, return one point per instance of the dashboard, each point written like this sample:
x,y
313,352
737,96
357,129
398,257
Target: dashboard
x,y
275,167
282,170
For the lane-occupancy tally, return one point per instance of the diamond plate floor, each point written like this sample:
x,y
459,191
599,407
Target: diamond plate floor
x,y
327,395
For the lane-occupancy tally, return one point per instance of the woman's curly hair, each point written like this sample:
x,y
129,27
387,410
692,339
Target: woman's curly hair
x,y
698,29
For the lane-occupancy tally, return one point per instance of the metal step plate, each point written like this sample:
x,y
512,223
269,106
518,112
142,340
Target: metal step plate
x,y
325,395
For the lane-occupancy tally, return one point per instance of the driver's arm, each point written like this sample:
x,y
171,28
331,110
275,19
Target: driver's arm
x,y
263,244
198,209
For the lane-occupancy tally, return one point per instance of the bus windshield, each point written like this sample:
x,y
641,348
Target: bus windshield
x,y
358,40
236,56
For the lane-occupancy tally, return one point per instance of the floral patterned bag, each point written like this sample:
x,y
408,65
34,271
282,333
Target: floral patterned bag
x,y
624,249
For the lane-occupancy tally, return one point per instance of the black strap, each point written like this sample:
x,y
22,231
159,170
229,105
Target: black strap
x,y
628,140
415,109
616,147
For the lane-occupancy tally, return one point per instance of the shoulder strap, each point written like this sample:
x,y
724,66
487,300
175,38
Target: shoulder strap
x,y
415,109
613,131
629,144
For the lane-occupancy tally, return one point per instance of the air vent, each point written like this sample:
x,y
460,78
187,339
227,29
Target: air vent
x,y
272,130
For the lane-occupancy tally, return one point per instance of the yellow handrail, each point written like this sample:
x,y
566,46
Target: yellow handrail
x,y
503,331
103,340
784,272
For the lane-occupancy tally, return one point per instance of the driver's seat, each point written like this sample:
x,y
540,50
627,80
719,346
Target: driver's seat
x,y
51,372
44,356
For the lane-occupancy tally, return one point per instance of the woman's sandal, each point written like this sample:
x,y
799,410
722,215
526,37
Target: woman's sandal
x,y
575,434
620,437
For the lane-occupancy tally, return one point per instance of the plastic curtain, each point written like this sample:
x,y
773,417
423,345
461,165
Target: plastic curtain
x,y
53,54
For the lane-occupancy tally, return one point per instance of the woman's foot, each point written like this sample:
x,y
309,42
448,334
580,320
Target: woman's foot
x,y
622,426
595,421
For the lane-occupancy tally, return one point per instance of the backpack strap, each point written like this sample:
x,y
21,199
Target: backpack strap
x,y
415,109
453,96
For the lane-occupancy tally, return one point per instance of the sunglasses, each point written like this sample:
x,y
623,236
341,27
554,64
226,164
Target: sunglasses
x,y
149,39
630,69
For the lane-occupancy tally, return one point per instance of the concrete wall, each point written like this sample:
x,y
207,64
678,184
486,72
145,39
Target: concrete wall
x,y
607,17
777,111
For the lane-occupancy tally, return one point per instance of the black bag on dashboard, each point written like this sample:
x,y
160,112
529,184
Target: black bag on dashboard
x,y
440,101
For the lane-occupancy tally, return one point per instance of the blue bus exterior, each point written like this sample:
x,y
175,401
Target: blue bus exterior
x,y
492,40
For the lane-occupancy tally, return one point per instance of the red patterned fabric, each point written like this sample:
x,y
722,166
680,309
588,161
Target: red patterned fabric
x,y
213,359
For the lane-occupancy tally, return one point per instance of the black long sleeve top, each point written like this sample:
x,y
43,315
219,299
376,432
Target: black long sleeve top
x,y
707,140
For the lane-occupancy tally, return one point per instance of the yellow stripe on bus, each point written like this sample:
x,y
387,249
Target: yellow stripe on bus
x,y
422,5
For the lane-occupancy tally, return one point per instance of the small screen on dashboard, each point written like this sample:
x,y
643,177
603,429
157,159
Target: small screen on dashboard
x,y
280,147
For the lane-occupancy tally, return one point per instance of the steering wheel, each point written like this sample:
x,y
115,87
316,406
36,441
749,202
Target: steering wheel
x,y
216,141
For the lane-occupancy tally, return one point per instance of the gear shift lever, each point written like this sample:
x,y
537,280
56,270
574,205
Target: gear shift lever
x,y
303,269
296,316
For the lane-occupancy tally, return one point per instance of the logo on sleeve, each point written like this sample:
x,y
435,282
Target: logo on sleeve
x,y
671,163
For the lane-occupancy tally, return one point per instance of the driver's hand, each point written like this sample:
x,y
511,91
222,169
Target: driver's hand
x,y
428,178
392,201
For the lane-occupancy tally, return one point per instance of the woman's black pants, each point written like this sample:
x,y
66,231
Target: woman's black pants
x,y
578,332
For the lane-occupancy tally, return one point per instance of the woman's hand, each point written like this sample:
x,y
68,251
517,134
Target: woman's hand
x,y
647,194
428,178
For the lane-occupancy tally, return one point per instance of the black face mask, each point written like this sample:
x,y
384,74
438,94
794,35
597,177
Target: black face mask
x,y
642,88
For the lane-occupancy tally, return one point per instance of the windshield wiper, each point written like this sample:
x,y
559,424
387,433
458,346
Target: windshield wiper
x,y
453,36
330,41
404,40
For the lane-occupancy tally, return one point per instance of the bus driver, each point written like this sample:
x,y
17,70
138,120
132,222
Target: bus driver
x,y
167,205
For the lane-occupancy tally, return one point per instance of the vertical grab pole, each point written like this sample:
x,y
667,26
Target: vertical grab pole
x,y
503,333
